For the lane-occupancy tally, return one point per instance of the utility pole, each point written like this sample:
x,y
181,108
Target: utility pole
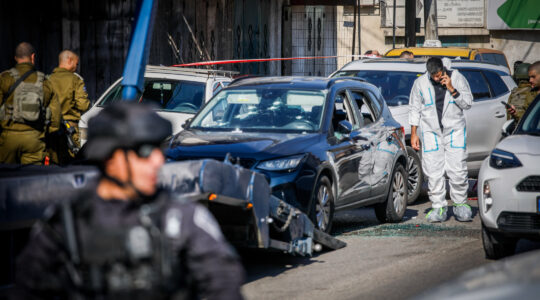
x,y
394,27
410,23
430,19
354,29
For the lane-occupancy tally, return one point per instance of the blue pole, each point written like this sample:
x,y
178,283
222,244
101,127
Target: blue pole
x,y
138,51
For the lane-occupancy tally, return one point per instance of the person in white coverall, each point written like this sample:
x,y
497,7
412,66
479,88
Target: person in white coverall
x,y
437,101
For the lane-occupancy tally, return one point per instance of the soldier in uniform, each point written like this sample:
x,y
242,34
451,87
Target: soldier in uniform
x,y
24,97
522,95
69,103
126,238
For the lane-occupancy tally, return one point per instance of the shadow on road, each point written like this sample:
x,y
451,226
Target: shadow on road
x,y
259,264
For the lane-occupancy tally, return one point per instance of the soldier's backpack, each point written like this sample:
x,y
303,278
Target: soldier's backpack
x,y
27,103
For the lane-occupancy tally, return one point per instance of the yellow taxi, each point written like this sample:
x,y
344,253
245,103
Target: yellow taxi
x,y
480,54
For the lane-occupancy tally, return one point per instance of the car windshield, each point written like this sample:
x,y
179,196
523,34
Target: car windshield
x,y
166,94
531,122
395,86
257,109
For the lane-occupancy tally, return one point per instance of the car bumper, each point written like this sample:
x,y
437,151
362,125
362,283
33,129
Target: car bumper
x,y
512,211
294,188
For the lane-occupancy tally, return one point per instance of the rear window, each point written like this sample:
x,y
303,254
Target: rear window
x,y
478,84
395,86
166,94
498,87
495,58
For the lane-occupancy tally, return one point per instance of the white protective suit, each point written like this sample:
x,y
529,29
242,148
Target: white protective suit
x,y
442,151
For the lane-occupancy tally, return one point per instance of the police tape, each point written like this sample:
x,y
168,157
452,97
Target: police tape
x,y
253,60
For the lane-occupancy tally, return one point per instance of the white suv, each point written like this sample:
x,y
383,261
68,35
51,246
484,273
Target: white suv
x,y
509,188
490,84
178,93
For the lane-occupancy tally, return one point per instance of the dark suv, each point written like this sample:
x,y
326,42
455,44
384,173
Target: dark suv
x,y
324,144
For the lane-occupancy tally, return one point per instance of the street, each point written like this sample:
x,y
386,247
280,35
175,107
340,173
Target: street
x,y
381,261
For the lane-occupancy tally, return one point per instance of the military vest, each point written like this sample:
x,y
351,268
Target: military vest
x,y
132,262
27,104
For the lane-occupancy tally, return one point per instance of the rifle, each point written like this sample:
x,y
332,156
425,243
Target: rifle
x,y
70,131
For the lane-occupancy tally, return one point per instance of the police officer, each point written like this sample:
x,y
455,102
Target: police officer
x,y
522,95
69,103
24,97
126,238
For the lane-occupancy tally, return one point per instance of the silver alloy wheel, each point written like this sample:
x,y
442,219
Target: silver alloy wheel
x,y
323,207
398,192
414,174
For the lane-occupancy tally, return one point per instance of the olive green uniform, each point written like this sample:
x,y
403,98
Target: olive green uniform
x,y
521,97
69,103
22,143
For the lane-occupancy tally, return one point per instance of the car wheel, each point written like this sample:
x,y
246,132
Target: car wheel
x,y
497,246
415,176
322,208
393,209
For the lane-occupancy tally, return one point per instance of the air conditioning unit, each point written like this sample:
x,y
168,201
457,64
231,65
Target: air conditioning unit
x,y
432,43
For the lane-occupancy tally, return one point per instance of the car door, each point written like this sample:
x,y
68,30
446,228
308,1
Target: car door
x,y
383,146
485,117
346,152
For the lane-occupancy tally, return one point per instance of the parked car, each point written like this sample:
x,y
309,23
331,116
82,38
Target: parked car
x,y
490,84
478,54
324,144
177,93
509,188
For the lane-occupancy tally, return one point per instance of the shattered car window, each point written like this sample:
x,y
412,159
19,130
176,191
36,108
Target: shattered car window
x,y
263,109
166,95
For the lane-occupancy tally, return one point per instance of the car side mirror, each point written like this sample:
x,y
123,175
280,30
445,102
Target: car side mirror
x,y
345,127
508,127
186,123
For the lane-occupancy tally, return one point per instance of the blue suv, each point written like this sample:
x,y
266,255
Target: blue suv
x,y
323,144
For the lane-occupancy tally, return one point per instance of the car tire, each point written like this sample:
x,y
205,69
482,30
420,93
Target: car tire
x,y
497,246
322,207
393,209
415,177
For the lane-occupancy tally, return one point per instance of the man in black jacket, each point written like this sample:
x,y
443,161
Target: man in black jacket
x,y
126,238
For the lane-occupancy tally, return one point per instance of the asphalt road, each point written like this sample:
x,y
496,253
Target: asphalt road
x,y
381,261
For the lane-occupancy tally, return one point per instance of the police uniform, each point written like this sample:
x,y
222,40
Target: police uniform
x,y
69,103
159,248
22,142
140,247
521,97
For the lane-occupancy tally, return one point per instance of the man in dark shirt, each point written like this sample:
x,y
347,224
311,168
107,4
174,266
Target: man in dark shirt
x,y
440,93
126,239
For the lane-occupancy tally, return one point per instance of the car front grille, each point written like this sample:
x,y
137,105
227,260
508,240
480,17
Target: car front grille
x,y
512,221
529,184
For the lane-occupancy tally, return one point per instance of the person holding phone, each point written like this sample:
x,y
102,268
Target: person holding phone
x,y
528,77
437,101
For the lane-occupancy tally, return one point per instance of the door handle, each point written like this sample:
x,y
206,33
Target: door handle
x,y
499,114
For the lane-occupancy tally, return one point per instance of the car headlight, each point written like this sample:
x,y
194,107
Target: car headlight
x,y
486,191
502,160
281,164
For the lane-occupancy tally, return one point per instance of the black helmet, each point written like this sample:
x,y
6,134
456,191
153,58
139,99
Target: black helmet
x,y
124,125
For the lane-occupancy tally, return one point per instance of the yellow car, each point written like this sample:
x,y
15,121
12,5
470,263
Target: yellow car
x,y
480,54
